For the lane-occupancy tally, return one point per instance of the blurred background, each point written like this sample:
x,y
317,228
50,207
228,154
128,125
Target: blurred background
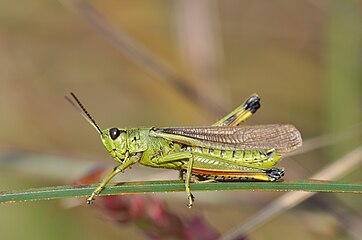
x,y
176,63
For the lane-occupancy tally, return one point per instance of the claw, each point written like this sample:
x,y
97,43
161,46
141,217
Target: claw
x,y
191,199
90,199
275,173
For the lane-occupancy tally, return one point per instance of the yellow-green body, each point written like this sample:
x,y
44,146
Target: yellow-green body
x,y
221,152
144,147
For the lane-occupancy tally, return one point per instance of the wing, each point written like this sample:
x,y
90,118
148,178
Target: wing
x,y
282,138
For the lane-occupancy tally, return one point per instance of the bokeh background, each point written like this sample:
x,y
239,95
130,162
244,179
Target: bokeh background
x,y
175,63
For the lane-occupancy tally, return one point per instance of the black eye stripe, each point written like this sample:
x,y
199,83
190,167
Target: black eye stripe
x,y
114,133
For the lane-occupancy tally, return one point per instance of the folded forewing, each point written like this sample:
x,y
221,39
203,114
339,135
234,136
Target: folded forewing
x,y
281,137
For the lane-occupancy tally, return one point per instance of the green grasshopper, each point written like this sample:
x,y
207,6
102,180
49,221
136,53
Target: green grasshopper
x,y
221,152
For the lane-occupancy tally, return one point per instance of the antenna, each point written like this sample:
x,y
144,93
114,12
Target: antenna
x,y
81,109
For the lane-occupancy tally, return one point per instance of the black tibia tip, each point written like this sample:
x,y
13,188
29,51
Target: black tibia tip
x,y
114,133
275,173
253,104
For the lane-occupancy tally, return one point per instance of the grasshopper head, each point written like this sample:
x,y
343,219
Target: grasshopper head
x,y
115,141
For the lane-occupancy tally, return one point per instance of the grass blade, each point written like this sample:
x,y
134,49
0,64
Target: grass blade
x,y
59,192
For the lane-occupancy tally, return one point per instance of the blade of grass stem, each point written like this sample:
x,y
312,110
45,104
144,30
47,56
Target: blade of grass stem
x,y
58,192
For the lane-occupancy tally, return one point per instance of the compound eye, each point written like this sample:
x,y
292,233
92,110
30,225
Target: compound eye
x,y
114,133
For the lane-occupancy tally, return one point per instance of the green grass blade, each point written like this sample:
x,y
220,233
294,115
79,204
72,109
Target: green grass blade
x,y
59,192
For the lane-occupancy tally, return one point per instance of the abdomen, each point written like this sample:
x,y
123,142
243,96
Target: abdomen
x,y
237,165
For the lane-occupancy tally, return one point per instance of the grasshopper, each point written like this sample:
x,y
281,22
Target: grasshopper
x,y
221,152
